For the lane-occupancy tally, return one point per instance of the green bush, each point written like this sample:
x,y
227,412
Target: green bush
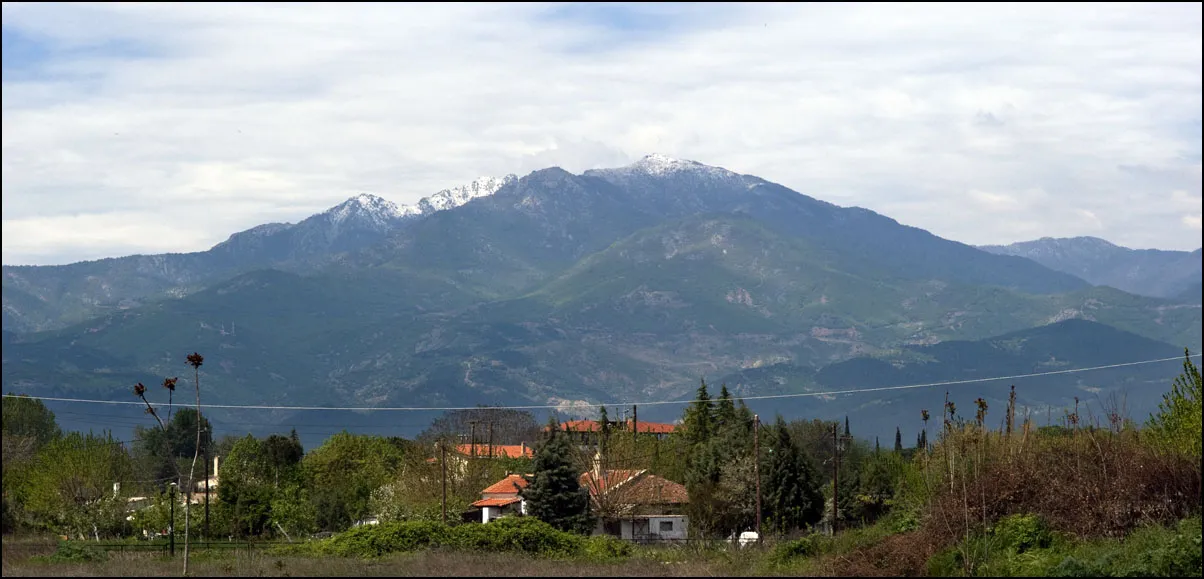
x,y
605,548
785,553
377,540
1020,533
518,534
74,552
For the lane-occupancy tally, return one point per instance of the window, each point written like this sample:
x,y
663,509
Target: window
x,y
666,526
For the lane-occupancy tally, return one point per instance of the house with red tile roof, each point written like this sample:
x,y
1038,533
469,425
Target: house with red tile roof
x,y
586,431
634,505
503,498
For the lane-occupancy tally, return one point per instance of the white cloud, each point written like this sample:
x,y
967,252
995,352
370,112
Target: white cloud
x,y
218,117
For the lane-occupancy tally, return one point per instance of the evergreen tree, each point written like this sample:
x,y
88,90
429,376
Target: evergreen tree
x,y
605,420
725,410
898,440
699,419
846,427
793,499
877,447
553,493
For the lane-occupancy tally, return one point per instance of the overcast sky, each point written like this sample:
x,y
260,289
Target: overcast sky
x,y
153,128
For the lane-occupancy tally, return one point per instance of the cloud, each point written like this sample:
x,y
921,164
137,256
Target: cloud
x,y
119,118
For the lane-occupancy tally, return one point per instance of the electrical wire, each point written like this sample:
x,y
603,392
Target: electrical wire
x,y
644,403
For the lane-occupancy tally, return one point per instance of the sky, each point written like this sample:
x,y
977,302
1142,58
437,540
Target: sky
x,y
148,128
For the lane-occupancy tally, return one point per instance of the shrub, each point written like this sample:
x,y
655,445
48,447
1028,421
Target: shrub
x,y
605,548
70,552
785,553
377,540
1019,533
518,534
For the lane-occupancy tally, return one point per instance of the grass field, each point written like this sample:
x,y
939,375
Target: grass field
x,y
33,559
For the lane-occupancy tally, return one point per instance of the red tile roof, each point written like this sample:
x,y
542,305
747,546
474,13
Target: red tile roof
x,y
595,426
499,450
652,490
495,502
512,484
609,480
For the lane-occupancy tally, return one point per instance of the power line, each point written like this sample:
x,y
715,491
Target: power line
x,y
645,403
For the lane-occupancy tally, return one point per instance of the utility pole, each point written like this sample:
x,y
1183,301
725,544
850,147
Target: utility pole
x,y
171,529
635,423
207,490
491,440
443,464
757,468
835,479
473,445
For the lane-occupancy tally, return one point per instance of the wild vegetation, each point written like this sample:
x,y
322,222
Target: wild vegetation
x,y
1095,495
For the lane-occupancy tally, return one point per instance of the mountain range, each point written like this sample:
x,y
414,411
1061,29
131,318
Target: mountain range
x,y
564,290
1148,272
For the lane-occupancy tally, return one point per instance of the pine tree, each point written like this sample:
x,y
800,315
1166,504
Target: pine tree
x,y
605,420
725,410
846,427
699,419
877,447
553,493
793,499
898,440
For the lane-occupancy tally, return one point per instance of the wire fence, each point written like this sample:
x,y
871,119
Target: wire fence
x,y
162,547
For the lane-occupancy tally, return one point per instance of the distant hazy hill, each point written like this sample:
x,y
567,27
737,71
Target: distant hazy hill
x,y
1149,272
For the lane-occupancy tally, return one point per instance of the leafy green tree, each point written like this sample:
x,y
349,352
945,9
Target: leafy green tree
x,y
1177,424
160,453
344,472
245,491
554,494
27,427
69,488
793,495
25,417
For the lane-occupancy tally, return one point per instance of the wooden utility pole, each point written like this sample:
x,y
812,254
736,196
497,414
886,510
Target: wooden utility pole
x,y
207,492
835,478
635,423
443,465
757,468
491,440
473,444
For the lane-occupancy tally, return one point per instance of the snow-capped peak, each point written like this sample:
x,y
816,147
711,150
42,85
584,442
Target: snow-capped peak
x,y
377,210
457,196
658,165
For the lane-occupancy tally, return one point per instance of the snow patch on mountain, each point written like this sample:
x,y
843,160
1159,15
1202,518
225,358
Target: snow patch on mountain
x,y
658,165
457,196
366,208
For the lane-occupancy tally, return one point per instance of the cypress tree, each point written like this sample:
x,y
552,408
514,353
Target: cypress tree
x,y
877,446
898,440
699,419
793,498
846,427
553,493
725,410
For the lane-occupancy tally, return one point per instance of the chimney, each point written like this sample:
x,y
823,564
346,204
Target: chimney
x,y
522,450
